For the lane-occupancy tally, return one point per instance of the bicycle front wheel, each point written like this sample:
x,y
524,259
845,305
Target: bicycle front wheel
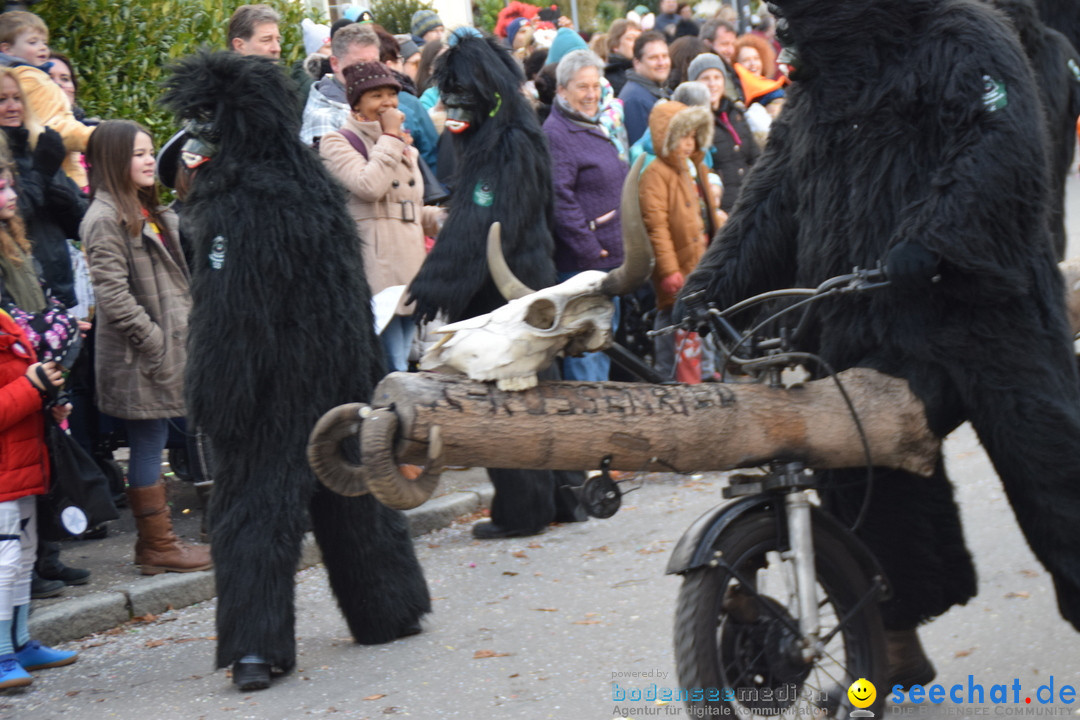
x,y
737,640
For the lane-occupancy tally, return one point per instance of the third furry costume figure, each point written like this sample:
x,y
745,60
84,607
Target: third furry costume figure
x,y
912,134
281,331
503,174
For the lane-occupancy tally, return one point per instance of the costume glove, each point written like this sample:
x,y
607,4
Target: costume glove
x,y
911,265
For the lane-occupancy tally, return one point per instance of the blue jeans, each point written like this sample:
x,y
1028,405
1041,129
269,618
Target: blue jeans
x,y
396,341
147,439
594,366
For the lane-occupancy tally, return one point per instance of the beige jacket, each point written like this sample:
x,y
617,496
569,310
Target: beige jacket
x,y
143,302
386,199
53,109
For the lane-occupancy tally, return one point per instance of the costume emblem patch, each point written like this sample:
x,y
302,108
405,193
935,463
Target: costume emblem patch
x,y
482,195
994,95
1074,69
217,252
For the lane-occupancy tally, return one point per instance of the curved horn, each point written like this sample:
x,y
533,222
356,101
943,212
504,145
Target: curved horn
x,y
637,249
510,287
384,479
324,450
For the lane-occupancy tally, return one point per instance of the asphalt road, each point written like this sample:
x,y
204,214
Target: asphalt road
x,y
541,627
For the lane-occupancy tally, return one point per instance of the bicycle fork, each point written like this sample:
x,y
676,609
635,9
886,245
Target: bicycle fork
x,y
800,534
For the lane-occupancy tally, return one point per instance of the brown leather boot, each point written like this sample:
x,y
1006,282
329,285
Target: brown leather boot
x,y
158,549
908,664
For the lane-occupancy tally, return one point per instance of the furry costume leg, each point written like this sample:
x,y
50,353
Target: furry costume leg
x,y
257,532
372,565
912,526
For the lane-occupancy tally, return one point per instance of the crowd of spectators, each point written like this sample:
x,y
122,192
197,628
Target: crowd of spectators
x,y
101,247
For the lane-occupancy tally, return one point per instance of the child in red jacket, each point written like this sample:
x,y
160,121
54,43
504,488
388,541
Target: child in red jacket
x,y
26,386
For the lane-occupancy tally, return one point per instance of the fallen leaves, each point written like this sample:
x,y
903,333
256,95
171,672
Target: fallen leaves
x,y
964,653
379,696
1018,594
484,654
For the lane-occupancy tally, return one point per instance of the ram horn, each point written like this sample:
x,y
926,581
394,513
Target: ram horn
x,y
325,455
384,479
637,248
508,284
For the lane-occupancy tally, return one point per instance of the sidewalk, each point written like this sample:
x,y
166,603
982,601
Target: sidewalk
x,y
117,592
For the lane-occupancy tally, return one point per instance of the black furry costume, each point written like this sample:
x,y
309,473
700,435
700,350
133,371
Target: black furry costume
x,y
1063,16
503,173
912,132
1056,64
280,332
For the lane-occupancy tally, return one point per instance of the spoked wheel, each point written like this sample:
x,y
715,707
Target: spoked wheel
x,y
737,643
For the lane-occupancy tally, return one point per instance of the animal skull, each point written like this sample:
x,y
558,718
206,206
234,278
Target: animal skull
x,y
511,344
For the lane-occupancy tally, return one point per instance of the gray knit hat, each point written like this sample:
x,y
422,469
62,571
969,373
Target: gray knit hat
x,y
703,62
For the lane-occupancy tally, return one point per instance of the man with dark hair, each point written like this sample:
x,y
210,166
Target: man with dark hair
x,y
645,82
719,36
326,107
253,30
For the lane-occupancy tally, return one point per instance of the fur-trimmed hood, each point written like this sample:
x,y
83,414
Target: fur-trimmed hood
x,y
672,120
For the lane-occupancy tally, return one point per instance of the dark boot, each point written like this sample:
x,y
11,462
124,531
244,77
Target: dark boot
x,y
41,588
158,549
49,567
908,664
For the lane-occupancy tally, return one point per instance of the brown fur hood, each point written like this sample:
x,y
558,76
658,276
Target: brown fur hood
x,y
672,120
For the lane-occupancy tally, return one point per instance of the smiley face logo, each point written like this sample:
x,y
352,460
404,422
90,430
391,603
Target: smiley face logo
x,y
862,693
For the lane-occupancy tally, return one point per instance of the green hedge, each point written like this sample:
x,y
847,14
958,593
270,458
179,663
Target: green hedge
x,y
120,48
396,15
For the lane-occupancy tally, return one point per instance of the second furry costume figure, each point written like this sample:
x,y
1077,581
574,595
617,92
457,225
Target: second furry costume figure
x,y
912,135
503,174
281,331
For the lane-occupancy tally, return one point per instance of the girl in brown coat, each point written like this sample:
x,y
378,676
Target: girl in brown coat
x,y
386,193
680,216
141,285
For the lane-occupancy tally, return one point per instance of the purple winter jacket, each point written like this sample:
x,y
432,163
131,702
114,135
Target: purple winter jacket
x,y
587,176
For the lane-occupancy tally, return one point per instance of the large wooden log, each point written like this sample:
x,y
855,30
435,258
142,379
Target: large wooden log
x,y
573,425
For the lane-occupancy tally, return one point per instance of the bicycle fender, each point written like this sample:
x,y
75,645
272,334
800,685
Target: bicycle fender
x,y
695,547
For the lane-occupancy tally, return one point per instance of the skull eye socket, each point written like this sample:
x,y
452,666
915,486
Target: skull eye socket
x,y
541,314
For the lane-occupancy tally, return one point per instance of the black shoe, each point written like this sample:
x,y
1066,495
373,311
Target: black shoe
x,y
66,575
41,588
487,530
250,676
410,630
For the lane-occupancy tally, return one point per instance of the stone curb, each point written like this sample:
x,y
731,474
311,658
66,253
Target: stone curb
x,y
157,594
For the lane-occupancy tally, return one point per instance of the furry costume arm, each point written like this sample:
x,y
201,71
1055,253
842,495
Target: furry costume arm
x,y
367,179
455,271
106,242
985,99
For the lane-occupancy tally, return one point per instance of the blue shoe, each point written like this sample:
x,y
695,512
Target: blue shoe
x,y
35,656
12,674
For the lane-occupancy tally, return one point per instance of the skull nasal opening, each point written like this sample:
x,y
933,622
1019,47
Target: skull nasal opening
x,y
542,314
